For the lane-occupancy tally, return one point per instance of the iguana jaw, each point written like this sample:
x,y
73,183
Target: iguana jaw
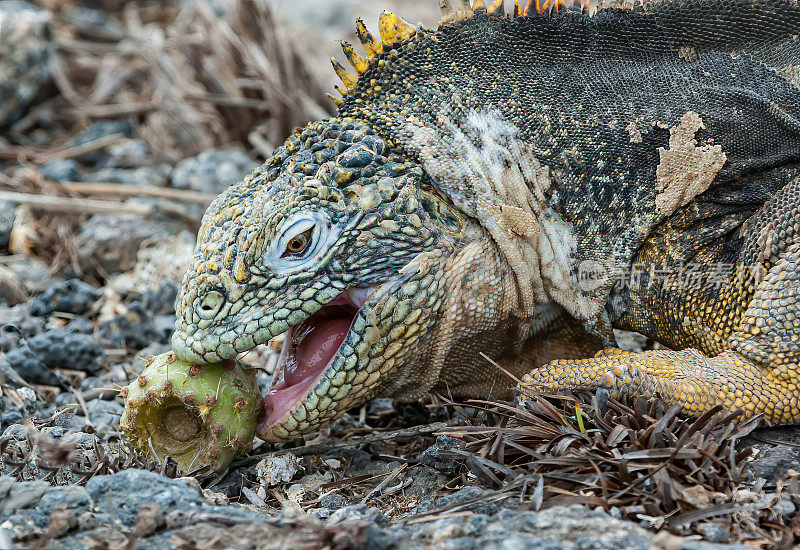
x,y
318,373
311,362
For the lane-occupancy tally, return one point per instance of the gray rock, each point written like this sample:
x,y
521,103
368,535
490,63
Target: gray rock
x,y
130,153
109,242
713,532
56,432
125,492
81,440
782,505
104,414
15,431
558,528
103,384
231,485
113,499
10,416
425,483
275,470
7,216
16,496
100,130
134,329
71,422
332,501
72,296
96,131
69,495
785,506
67,348
777,451
434,458
462,496
213,171
144,175
113,502
61,170
17,323
356,512
25,50
161,299
93,24
701,545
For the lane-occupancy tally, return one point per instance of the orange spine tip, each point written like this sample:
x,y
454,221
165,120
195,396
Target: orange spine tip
x,y
530,5
517,9
478,5
497,7
372,45
358,62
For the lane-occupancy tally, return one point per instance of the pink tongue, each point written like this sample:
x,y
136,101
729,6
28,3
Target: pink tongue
x,y
316,350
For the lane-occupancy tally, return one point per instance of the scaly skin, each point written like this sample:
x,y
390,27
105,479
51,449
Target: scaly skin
x,y
476,174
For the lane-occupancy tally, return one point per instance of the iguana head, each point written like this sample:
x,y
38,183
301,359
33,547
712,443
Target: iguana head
x,y
327,244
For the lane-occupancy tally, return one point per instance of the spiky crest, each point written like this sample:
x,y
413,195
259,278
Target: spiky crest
x,y
394,30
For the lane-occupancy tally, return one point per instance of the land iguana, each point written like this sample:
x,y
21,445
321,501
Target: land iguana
x,y
511,188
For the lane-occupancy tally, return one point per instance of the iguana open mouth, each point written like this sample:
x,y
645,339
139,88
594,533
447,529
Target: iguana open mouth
x,y
309,350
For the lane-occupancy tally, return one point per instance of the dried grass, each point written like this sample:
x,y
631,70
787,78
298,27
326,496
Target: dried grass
x,y
633,456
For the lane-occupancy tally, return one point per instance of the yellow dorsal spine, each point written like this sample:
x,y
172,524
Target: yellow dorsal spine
x,y
394,29
371,44
358,62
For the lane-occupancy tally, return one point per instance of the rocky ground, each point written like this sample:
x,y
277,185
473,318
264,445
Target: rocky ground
x,y
118,124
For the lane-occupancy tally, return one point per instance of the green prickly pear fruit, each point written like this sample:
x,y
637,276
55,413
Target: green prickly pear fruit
x,y
199,416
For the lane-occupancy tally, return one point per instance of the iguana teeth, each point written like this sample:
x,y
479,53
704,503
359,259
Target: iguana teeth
x,y
497,7
371,44
358,62
348,79
394,29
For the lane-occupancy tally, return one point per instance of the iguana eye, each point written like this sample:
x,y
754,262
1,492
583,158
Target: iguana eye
x,y
298,244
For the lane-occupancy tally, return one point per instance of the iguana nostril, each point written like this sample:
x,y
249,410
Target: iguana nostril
x,y
210,304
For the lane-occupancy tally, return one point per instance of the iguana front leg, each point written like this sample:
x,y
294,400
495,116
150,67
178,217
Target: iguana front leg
x,y
758,372
687,378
